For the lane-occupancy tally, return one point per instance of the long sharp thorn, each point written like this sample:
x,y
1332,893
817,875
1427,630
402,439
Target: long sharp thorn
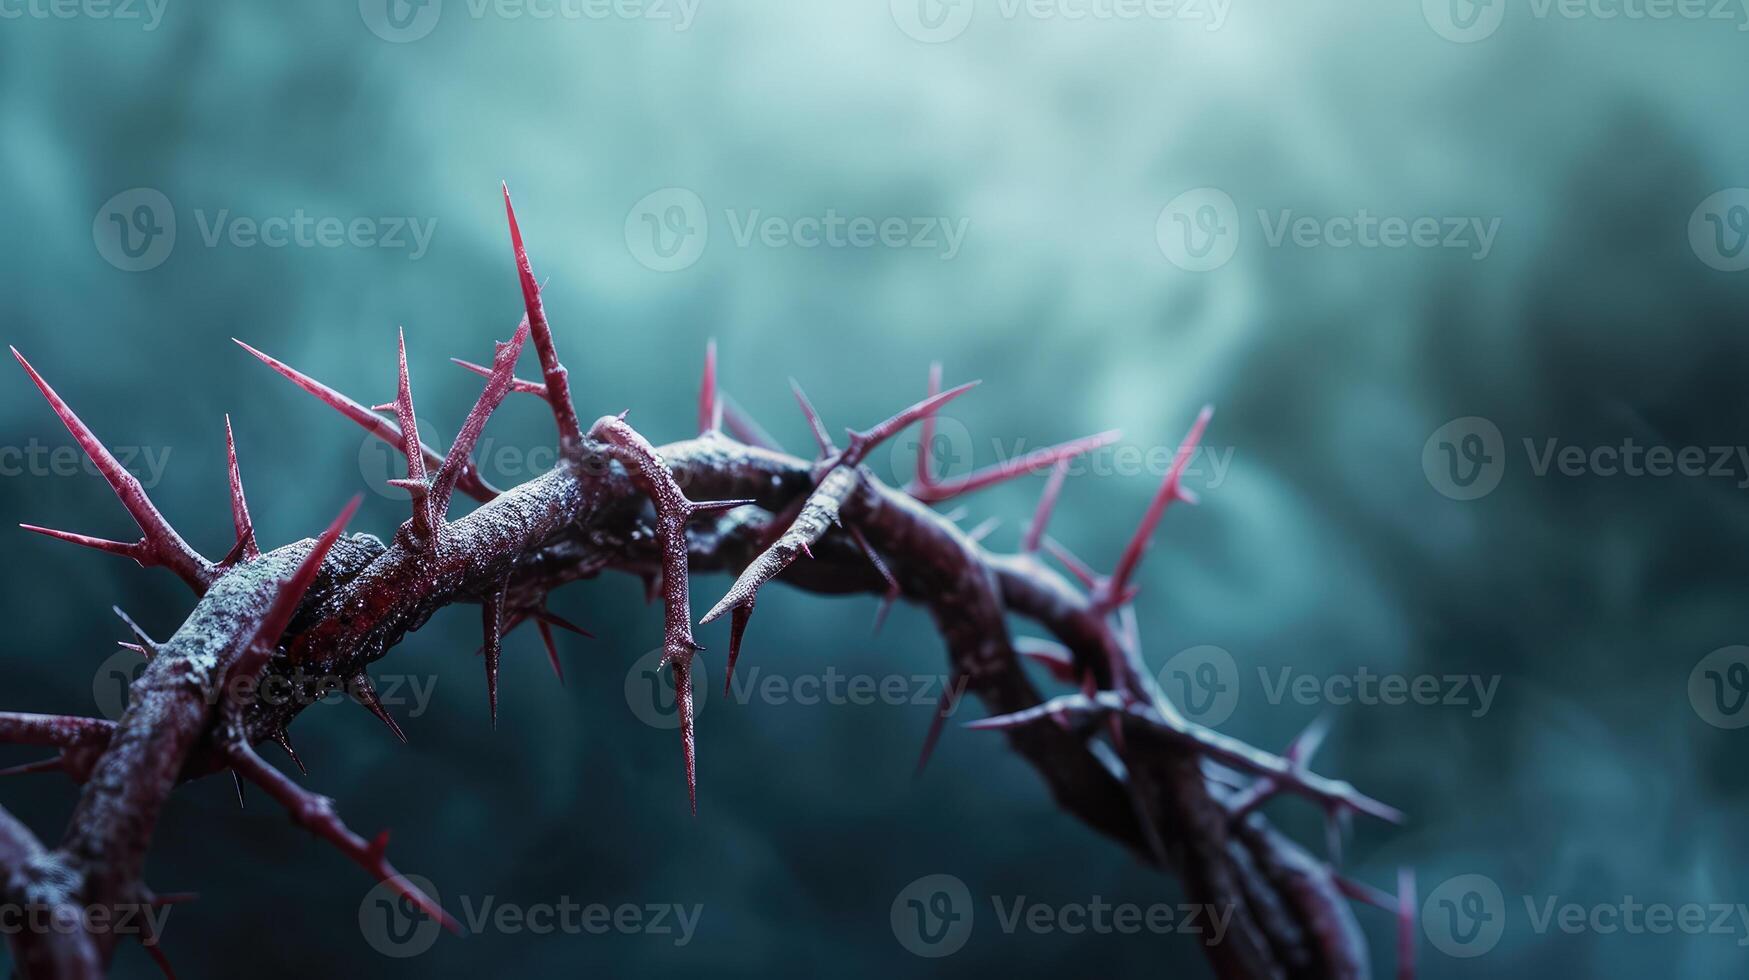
x,y
1114,588
155,950
546,637
137,550
688,736
362,416
926,436
461,451
861,443
517,385
53,764
1022,465
744,427
709,407
162,543
944,707
365,693
283,740
880,566
1053,656
551,618
237,781
697,507
822,438
558,383
285,603
492,619
1047,502
1082,572
246,542
737,629
422,521
987,525
317,815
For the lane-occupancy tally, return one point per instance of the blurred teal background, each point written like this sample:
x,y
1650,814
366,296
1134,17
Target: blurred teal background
x,y
1595,776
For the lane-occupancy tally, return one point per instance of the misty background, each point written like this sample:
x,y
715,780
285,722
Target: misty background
x,y
1327,543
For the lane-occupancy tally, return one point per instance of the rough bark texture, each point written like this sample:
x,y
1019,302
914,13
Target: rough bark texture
x,y
1116,755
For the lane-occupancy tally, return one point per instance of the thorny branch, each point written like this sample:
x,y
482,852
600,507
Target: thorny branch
x,y
1115,753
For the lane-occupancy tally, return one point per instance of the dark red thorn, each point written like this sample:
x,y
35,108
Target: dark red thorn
x,y
517,385
926,436
880,566
317,815
557,380
738,618
151,945
161,544
546,637
1053,656
982,531
365,693
744,427
492,621
944,707
1047,503
259,648
864,442
1111,592
52,764
246,548
135,647
551,618
423,521
710,408
459,457
688,735
822,438
470,482
1022,465
137,550
283,740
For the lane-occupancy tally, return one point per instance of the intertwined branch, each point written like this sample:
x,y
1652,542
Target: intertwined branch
x,y
1113,750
